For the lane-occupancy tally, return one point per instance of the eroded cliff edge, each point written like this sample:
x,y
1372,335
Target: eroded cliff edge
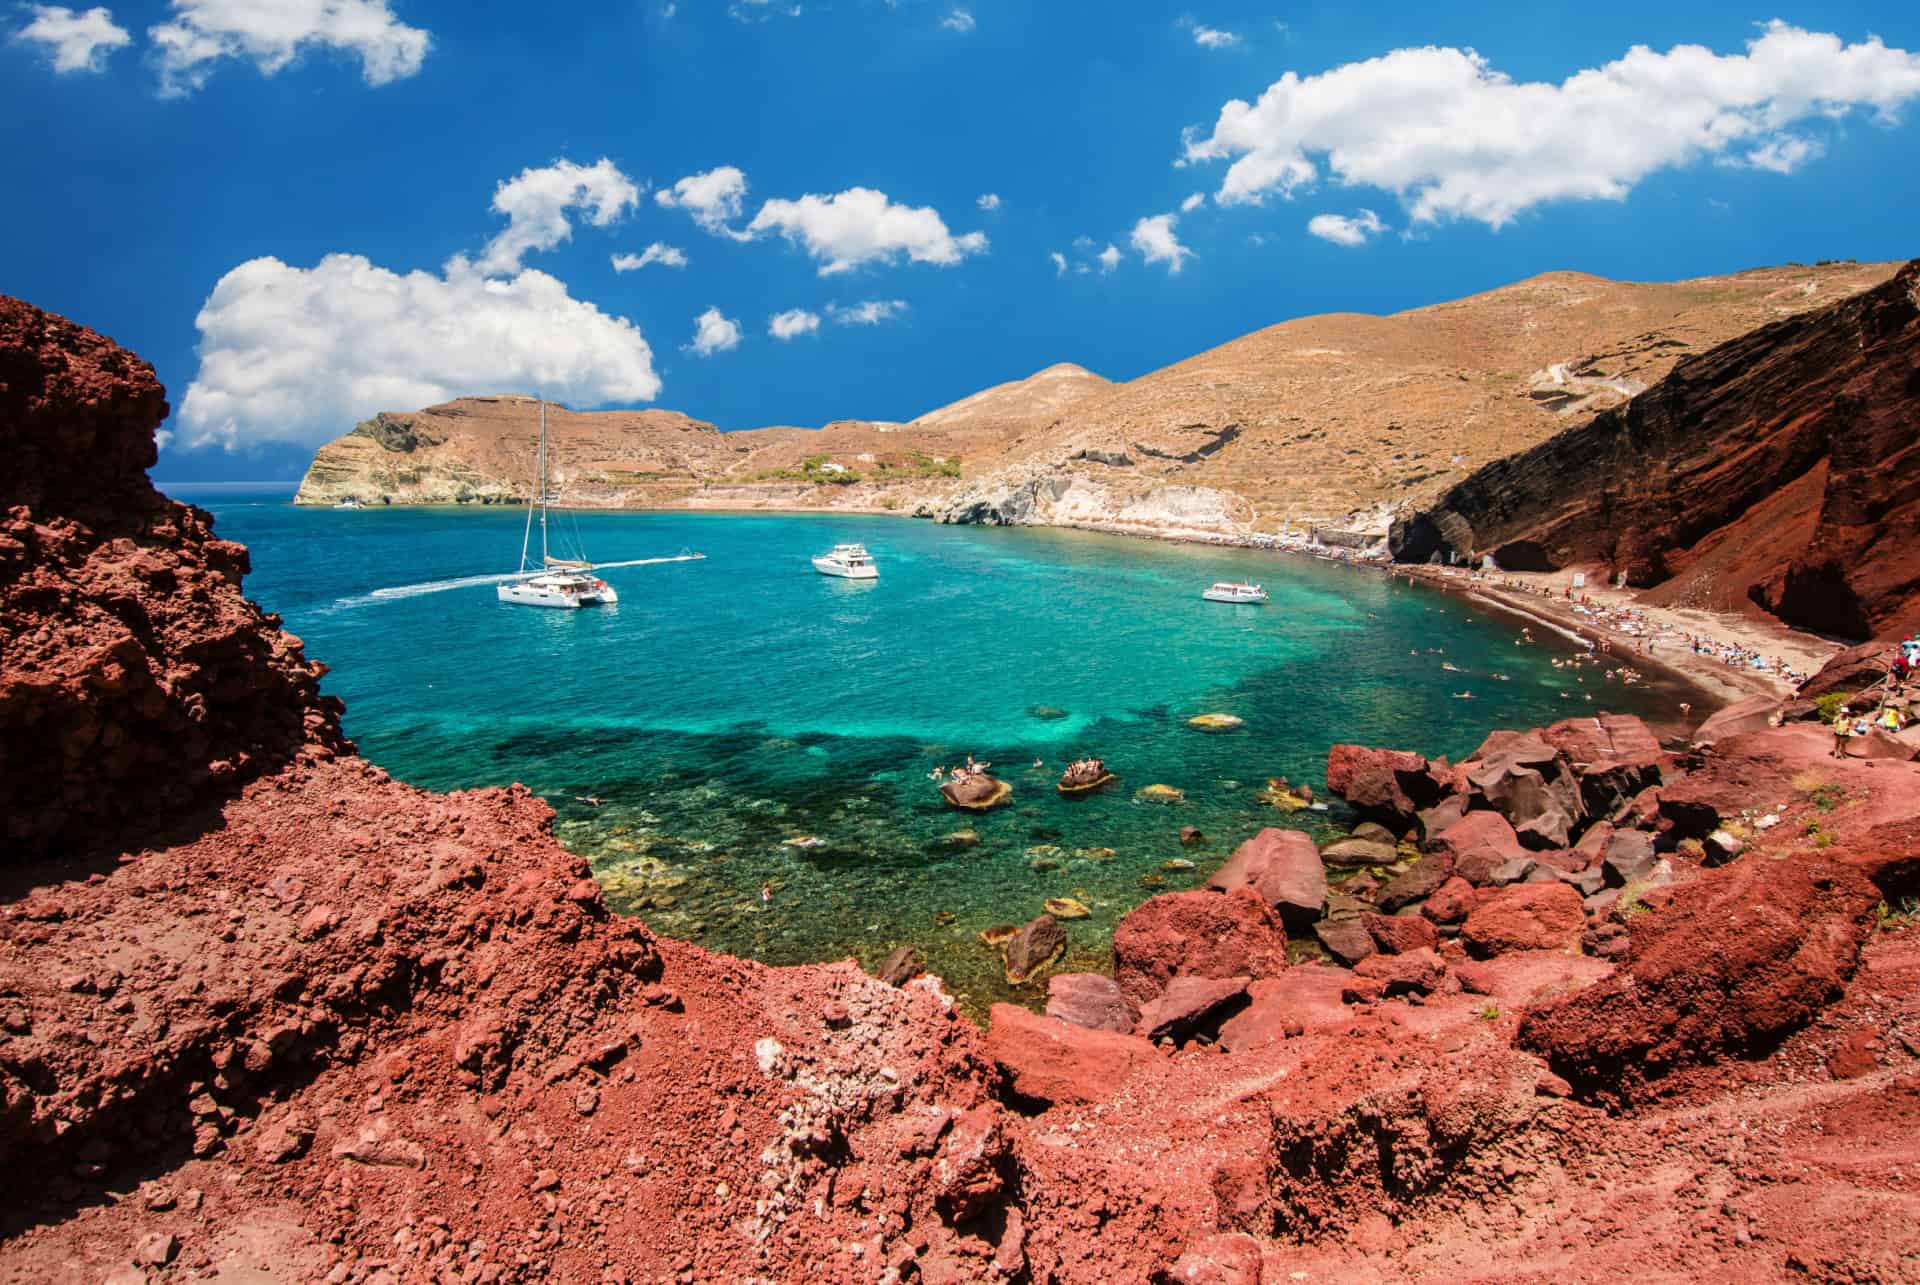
x,y
317,1025
1780,469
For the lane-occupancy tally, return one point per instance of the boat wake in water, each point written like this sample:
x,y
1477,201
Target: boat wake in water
x,y
393,592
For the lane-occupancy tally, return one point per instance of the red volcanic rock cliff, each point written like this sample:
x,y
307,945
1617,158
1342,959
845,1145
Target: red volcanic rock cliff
x,y
1780,468
303,1023
135,679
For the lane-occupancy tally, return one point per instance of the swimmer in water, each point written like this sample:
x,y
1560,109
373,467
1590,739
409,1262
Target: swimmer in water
x,y
766,893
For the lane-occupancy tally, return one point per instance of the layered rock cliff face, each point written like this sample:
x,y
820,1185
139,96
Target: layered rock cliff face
x,y
1781,468
135,679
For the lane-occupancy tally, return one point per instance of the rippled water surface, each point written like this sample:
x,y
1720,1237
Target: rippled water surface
x,y
746,721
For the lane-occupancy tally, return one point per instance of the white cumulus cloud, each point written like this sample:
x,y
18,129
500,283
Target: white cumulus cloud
x,y
536,202
713,332
1109,257
959,20
1154,238
667,256
73,41
871,312
989,201
860,226
1059,262
792,323
1785,154
1453,137
272,33
1341,230
1193,203
1214,38
713,197
299,355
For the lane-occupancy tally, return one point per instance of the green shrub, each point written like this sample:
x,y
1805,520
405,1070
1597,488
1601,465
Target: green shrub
x,y
1831,704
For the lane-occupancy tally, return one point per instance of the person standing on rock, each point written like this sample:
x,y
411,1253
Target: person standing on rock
x,y
1842,729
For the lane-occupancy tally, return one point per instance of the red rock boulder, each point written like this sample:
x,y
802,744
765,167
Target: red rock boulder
x,y
1388,786
1284,867
1399,934
1191,1006
1526,916
1737,960
1046,1061
1477,845
1092,1001
1196,934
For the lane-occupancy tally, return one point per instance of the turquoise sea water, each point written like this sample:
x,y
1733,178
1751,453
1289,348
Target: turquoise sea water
x,y
727,706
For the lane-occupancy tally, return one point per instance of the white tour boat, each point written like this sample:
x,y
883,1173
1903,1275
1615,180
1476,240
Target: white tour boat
x,y
351,502
555,582
1234,591
849,561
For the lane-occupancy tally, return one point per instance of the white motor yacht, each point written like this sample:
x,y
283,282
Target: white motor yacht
x,y
1234,591
848,561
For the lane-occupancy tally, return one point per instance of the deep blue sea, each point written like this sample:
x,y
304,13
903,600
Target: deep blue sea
x,y
728,706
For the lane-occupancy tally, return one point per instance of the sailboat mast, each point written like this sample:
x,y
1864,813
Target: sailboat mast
x,y
526,536
543,483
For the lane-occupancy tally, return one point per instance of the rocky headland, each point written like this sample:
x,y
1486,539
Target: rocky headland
x,y
1585,1005
1332,424
1778,470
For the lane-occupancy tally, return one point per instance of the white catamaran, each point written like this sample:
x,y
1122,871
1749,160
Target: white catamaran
x,y
556,582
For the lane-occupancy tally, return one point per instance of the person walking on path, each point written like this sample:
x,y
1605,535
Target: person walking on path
x,y
1842,729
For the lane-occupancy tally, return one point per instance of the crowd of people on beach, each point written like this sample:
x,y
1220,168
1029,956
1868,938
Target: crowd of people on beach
x,y
1648,635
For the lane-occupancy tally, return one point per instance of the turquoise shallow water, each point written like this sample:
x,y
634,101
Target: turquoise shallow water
x,y
727,706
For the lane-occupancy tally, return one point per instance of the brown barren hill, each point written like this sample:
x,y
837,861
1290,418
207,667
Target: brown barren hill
x,y
1778,470
1344,418
1338,422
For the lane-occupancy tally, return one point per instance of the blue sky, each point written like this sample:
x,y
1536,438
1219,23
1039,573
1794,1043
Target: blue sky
x,y
180,171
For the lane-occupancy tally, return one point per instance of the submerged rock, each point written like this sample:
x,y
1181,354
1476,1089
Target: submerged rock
x,y
901,967
1160,794
1066,908
1216,722
1035,946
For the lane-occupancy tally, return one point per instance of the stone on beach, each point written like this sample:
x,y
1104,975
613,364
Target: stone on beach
x,y
1346,940
1284,867
1359,852
1092,1001
1477,845
1048,1061
1191,1006
1387,786
1526,916
1196,934
1418,881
